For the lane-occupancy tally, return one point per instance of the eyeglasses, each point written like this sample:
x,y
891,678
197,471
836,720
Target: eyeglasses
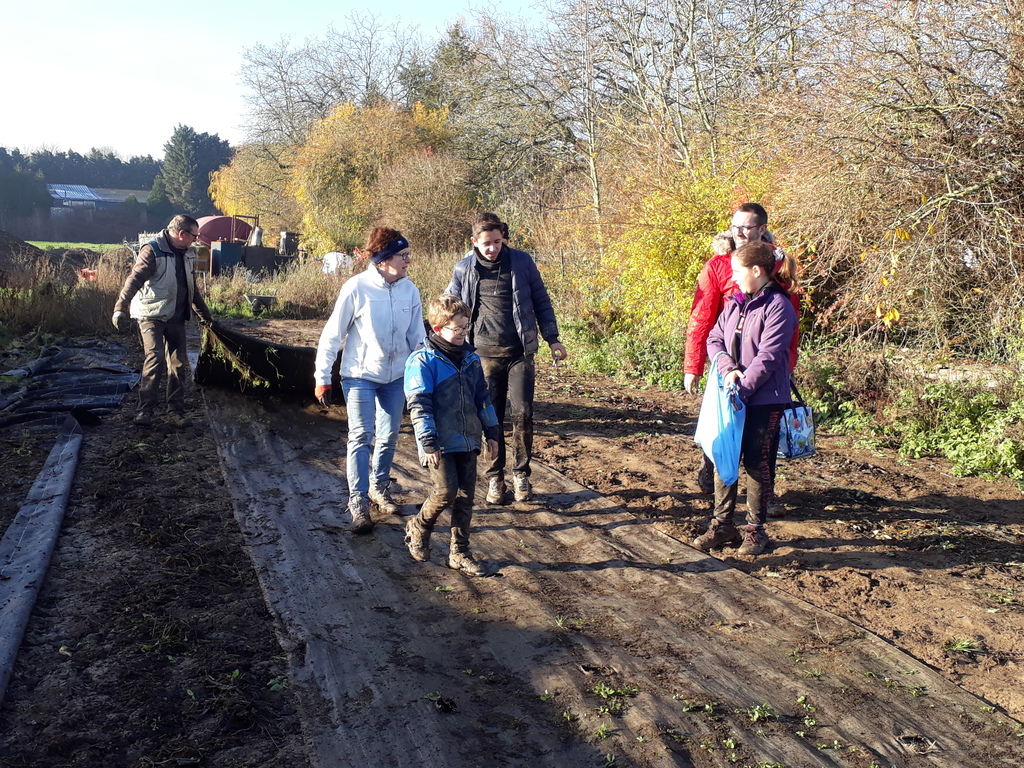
x,y
403,256
194,235
747,228
463,330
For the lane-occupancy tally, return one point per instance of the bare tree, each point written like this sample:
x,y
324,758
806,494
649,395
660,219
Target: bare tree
x,y
906,168
290,88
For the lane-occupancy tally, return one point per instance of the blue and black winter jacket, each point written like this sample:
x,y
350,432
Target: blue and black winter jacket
x,y
449,406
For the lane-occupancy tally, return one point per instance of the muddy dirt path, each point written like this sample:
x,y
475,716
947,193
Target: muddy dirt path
x,y
604,636
605,641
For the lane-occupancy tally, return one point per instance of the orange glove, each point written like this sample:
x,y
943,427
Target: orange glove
x,y
323,393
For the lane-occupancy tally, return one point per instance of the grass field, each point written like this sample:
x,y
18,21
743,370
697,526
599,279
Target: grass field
x,y
48,245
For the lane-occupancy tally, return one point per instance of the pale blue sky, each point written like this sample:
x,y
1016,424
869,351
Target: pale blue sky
x,y
77,75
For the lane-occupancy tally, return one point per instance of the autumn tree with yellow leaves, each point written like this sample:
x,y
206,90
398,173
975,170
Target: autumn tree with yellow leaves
x,y
336,171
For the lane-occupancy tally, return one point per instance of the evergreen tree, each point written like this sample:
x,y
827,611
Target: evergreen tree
x,y
159,207
21,191
189,160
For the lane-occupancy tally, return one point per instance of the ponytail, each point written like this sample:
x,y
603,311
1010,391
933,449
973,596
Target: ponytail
x,y
787,272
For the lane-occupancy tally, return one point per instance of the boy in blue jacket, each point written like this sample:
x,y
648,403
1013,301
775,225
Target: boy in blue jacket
x,y
450,406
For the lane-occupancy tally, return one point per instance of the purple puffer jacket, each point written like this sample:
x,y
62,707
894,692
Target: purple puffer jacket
x,y
769,322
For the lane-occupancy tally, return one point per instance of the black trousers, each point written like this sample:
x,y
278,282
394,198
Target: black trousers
x,y
453,484
759,451
512,379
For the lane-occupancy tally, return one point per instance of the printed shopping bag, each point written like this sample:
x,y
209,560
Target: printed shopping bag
x,y
720,426
796,430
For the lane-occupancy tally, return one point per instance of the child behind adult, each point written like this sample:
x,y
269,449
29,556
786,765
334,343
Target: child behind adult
x,y
722,243
750,344
450,406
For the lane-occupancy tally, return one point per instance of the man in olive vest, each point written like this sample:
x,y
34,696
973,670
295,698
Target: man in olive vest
x,y
161,294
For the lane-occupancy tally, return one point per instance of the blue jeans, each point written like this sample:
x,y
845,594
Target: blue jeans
x,y
372,408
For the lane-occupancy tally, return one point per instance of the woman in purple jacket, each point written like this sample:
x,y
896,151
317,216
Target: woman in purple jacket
x,y
754,332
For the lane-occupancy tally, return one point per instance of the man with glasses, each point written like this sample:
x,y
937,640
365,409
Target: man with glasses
x,y
510,310
161,294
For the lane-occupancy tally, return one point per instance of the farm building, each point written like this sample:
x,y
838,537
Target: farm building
x,y
70,196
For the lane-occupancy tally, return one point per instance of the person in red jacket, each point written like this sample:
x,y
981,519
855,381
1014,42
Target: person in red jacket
x,y
714,286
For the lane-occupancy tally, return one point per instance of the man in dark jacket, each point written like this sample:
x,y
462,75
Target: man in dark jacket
x,y
161,294
511,310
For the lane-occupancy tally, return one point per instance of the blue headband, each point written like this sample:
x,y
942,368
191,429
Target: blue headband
x,y
390,250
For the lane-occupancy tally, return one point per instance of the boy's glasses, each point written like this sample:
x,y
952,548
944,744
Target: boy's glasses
x,y
459,329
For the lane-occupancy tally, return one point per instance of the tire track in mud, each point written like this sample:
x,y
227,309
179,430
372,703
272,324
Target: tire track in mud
x,y
603,636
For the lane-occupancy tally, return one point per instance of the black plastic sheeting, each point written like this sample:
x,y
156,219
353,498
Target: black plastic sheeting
x,y
233,360
68,386
85,378
28,544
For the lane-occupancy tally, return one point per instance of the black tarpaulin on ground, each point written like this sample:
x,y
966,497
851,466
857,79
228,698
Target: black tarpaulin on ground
x,y
27,546
83,377
233,360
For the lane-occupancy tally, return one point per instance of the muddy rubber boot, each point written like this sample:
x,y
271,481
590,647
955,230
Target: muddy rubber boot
x,y
522,488
359,508
496,491
755,541
717,535
381,497
464,562
417,540
178,419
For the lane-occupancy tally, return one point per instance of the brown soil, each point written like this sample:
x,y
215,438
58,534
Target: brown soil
x,y
14,251
151,643
898,546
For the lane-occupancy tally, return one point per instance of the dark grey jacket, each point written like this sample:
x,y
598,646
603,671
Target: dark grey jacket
x,y
531,305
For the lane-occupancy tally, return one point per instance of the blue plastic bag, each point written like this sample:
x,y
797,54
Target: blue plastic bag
x,y
720,426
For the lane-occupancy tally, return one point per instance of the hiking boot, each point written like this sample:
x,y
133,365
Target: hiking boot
x,y
359,508
178,419
381,497
143,418
755,541
522,487
718,535
705,480
418,541
464,562
496,491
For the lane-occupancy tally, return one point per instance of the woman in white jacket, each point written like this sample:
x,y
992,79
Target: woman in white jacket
x,y
378,322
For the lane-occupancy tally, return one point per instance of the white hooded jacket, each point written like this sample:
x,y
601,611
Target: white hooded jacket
x,y
379,324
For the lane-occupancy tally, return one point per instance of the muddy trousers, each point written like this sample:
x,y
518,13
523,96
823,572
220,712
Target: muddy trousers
x,y
511,381
165,355
453,485
758,450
